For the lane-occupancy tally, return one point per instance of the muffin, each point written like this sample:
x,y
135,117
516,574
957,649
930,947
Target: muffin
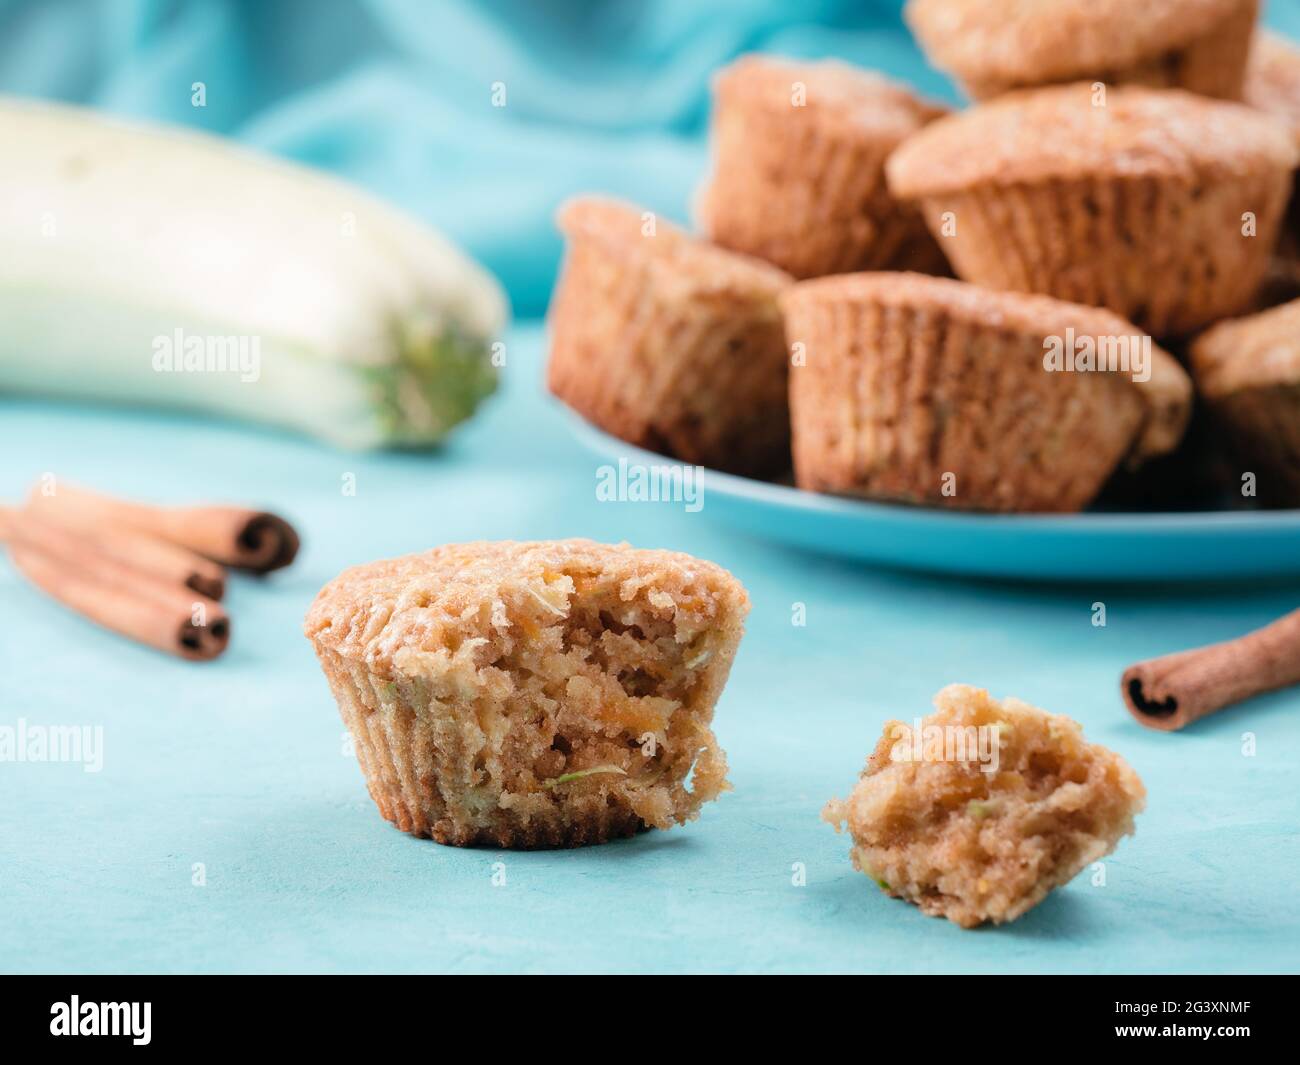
x,y
985,808
1162,206
668,342
1248,372
993,46
532,694
927,390
799,168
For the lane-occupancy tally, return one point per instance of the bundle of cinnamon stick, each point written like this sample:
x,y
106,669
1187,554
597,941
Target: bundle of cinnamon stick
x,y
153,574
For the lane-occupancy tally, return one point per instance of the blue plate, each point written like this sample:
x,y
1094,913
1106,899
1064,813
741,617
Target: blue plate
x,y
1210,545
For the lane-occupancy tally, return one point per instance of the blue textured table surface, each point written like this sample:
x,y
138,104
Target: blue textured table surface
x,y
234,774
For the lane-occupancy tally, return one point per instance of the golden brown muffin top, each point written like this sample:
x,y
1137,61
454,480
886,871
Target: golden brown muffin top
x,y
856,100
1258,351
388,613
1273,78
1061,133
1167,393
676,258
1035,41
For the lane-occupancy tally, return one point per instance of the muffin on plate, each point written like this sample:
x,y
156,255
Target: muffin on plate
x,y
1162,206
985,808
799,168
1248,372
1273,86
668,342
928,390
993,46
532,694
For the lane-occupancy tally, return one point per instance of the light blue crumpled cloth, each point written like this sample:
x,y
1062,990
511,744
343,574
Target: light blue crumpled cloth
x,y
398,94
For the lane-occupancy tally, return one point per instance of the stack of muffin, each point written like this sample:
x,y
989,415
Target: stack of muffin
x,y
1118,188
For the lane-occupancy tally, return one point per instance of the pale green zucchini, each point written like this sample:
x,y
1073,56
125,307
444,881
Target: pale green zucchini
x,y
156,265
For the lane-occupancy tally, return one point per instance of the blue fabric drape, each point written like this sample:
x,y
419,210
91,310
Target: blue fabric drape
x,y
608,95
398,94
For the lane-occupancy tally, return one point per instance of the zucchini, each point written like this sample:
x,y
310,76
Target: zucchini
x,y
154,265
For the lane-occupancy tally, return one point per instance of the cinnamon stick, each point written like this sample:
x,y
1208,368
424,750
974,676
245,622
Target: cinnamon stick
x,y
233,536
164,561
112,594
1171,692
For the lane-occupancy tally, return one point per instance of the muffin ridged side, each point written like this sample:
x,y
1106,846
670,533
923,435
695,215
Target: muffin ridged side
x,y
798,173
669,343
1160,206
996,46
1150,250
1248,371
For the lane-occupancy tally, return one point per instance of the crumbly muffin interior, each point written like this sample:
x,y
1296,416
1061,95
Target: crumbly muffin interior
x,y
972,845
595,695
546,699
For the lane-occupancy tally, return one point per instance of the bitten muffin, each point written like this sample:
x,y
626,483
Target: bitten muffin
x,y
1248,372
986,808
1162,206
799,168
532,694
993,46
928,390
668,342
